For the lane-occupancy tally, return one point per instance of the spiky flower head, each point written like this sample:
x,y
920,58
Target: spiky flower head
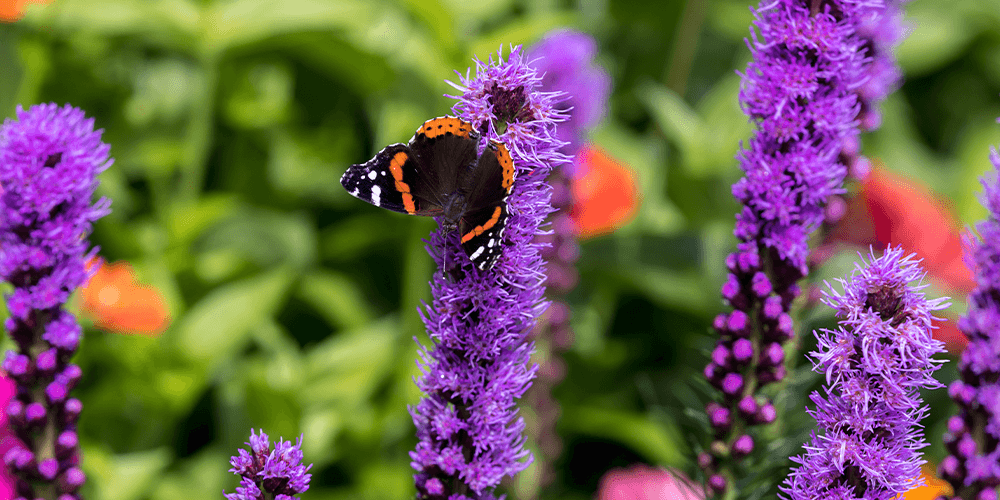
x,y
875,363
269,473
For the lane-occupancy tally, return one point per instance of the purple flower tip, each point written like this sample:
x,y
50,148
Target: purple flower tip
x,y
565,59
48,468
875,363
278,472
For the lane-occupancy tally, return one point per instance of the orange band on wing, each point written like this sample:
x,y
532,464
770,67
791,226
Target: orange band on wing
x,y
503,156
485,227
396,167
445,125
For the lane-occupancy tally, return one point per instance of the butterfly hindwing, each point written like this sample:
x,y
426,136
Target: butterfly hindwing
x,y
387,181
482,234
482,227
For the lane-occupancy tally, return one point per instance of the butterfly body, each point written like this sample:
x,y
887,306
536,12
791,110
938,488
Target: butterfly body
x,y
440,173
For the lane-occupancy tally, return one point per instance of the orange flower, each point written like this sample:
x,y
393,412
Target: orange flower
x,y
906,213
932,490
605,196
892,210
119,303
12,10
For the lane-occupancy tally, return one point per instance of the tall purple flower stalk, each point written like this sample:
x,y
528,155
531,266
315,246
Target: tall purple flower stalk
x,y
565,59
880,32
469,433
973,439
269,473
875,363
801,89
49,161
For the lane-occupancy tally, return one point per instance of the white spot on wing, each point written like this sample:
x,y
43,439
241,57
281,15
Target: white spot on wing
x,y
376,195
355,192
490,243
475,255
372,174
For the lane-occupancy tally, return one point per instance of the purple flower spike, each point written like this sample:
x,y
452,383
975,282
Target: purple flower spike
x,y
269,473
49,160
470,435
973,466
818,70
565,59
875,363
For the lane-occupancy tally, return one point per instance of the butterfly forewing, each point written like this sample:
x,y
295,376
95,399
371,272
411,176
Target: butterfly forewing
x,y
389,180
446,160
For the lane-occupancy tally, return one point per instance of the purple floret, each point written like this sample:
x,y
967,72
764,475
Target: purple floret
x,y
269,473
875,363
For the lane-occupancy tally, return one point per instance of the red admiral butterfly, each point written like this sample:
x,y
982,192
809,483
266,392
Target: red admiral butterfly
x,y
440,173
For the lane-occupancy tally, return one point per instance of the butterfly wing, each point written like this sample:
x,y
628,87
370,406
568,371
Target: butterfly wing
x,y
390,180
446,148
482,227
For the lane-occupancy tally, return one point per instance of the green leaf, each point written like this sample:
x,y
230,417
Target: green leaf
x,y
339,59
678,121
265,237
172,23
262,96
219,325
337,298
124,476
305,166
346,369
201,477
525,31
242,22
682,290
657,442
189,220
942,36
708,140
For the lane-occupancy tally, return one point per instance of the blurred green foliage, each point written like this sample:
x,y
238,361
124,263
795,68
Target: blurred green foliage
x,y
295,306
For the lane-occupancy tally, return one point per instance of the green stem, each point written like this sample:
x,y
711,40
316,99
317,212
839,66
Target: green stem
x,y
684,46
200,132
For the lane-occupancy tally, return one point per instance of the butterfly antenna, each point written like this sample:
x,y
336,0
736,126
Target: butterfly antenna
x,y
444,253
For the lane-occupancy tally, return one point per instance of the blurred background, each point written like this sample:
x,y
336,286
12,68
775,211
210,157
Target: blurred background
x,y
245,288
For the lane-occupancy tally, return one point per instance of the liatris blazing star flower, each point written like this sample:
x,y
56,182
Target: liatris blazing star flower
x,y
564,58
875,363
267,473
801,90
973,438
49,161
470,435
881,27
